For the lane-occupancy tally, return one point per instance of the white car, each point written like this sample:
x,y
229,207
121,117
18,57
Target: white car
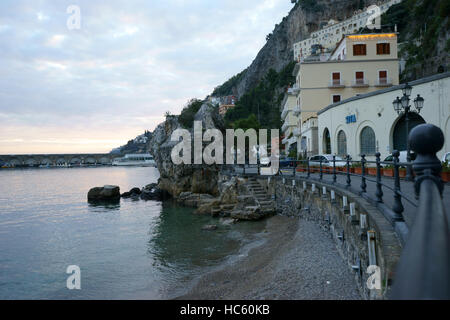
x,y
402,157
327,160
446,157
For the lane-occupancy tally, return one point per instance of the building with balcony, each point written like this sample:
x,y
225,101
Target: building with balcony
x,y
289,116
361,63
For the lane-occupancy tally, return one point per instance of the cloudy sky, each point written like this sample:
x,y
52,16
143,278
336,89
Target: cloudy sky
x,y
94,88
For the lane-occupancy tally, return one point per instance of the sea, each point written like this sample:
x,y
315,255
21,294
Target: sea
x,y
51,238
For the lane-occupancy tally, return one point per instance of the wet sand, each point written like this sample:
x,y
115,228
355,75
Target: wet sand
x,y
297,261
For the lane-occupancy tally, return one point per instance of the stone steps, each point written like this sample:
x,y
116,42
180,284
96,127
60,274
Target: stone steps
x,y
265,202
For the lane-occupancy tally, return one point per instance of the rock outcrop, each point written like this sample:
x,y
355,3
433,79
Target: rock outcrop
x,y
176,179
149,192
240,199
104,194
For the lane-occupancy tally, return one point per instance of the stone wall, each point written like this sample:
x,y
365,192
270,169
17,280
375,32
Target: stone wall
x,y
354,227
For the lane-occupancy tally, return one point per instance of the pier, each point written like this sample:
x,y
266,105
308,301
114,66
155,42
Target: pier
x,y
36,160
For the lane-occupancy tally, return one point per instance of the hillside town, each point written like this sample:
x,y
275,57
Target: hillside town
x,y
347,74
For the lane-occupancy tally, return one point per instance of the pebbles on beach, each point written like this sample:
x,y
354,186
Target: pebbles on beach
x,y
297,261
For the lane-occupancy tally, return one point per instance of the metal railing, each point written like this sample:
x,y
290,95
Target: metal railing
x,y
425,262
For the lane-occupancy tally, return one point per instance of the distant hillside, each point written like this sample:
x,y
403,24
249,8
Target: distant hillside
x,y
136,145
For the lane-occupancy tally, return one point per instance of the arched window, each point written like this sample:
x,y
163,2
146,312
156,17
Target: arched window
x,y
367,141
342,143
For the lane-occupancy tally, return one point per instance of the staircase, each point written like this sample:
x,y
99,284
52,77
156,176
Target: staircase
x,y
265,202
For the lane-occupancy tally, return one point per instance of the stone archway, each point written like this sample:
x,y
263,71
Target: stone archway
x,y
399,133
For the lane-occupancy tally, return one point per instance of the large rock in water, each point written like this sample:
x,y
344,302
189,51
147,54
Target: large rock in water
x,y
176,179
106,193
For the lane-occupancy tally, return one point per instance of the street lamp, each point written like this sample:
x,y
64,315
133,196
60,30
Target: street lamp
x,y
402,105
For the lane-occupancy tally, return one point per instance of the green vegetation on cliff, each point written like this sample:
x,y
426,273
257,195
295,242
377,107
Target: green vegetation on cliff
x,y
226,89
262,103
186,118
423,26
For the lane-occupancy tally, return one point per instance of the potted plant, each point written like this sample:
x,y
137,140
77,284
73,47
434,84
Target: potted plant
x,y
402,172
388,171
357,169
372,171
445,172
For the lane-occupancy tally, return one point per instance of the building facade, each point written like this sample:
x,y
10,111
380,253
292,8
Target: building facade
x,y
328,36
360,64
367,124
289,116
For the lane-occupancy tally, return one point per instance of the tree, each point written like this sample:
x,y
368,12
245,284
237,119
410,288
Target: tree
x,y
248,123
188,113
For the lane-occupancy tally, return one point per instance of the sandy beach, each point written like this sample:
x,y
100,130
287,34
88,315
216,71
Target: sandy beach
x,y
297,261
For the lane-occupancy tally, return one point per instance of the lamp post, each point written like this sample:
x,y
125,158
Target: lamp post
x,y
402,106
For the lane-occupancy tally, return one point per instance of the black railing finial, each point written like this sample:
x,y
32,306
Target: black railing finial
x,y
423,271
379,192
398,206
426,140
349,181
363,173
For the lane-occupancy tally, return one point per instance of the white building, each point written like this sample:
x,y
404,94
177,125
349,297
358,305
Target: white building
x,y
367,123
360,64
289,116
330,35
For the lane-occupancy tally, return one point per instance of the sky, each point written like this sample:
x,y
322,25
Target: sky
x,y
93,88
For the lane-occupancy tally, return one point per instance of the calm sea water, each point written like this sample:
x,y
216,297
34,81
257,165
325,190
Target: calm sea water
x,y
131,250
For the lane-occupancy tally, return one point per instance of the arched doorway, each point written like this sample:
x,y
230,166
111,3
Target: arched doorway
x,y
341,143
399,137
326,144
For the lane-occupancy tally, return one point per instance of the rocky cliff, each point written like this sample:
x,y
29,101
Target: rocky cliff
x,y
304,18
176,179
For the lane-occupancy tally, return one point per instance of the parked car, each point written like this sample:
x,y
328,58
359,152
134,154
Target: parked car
x,y
327,160
287,162
402,157
446,157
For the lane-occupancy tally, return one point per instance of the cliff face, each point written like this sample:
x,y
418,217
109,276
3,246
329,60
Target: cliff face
x,y
301,21
176,179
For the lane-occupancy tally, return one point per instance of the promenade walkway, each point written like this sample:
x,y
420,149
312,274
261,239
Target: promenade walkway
x,y
407,188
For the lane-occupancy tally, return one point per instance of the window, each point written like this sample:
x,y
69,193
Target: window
x,y
359,77
359,49
382,77
367,141
336,98
336,77
383,48
342,143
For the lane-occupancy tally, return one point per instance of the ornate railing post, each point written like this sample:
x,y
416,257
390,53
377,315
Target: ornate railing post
x,y
423,271
309,171
363,171
321,171
334,169
295,167
398,206
349,181
379,192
